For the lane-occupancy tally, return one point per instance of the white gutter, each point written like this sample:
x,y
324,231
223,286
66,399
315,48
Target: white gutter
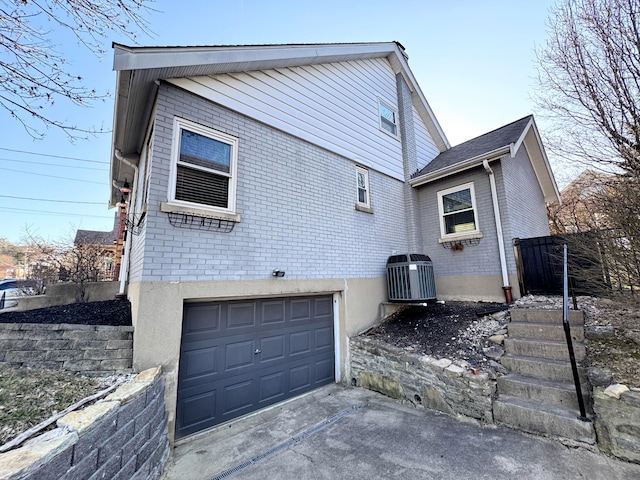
x,y
124,266
496,214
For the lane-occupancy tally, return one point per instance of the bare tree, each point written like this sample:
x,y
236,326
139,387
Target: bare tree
x,y
66,261
34,74
589,78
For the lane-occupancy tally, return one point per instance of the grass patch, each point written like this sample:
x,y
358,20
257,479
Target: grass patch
x,y
30,396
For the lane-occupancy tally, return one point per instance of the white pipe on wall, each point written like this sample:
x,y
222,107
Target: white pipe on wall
x,y
496,214
124,267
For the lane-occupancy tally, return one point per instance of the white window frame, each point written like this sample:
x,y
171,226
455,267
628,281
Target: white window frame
x,y
180,124
387,105
363,171
474,208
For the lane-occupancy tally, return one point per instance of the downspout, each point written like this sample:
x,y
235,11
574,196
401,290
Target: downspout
x,y
496,213
124,270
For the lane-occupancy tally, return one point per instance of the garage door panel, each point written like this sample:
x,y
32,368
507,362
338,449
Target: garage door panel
x,y
323,307
241,315
324,338
239,354
273,313
200,362
237,396
300,378
300,309
198,409
271,387
246,355
324,371
202,319
272,348
300,343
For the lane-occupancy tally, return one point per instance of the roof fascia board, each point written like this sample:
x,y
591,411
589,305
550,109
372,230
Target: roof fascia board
x,y
554,195
138,58
399,64
516,146
460,166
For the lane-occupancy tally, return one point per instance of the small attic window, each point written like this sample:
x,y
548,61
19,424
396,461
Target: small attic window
x,y
388,118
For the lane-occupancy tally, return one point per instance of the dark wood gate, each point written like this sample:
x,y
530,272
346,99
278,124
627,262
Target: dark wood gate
x,y
539,263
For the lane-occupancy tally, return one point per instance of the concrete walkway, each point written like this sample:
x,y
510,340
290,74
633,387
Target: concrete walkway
x,y
350,433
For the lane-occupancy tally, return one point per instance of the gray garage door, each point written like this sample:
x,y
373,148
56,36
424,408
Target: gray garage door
x,y
240,356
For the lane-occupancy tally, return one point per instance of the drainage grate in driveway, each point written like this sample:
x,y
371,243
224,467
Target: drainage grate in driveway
x,y
286,444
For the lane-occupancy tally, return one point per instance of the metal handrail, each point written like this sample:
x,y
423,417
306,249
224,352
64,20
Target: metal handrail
x,y
567,333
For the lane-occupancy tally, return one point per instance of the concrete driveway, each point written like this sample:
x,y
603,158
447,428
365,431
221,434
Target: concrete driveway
x,y
350,433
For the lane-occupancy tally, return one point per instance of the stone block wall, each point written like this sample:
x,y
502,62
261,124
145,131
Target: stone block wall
x,y
123,436
438,384
86,349
618,421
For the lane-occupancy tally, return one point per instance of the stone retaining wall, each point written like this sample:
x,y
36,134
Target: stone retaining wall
x,y
618,421
453,388
123,436
87,349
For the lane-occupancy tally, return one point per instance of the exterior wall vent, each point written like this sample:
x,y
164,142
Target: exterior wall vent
x,y
410,278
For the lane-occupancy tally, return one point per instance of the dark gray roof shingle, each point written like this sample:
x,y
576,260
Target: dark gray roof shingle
x,y
501,137
97,237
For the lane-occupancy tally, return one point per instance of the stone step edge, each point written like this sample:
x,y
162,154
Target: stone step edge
x,y
565,386
576,317
542,408
576,430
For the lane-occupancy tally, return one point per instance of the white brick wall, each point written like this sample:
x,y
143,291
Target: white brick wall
x,y
296,201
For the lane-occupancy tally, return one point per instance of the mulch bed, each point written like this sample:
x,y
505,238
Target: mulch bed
x,y
111,312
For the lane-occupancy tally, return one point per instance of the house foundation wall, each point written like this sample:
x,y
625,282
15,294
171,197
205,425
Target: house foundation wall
x,y
477,288
158,325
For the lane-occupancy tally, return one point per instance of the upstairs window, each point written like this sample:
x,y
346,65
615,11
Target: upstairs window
x,y
362,181
457,208
388,119
204,168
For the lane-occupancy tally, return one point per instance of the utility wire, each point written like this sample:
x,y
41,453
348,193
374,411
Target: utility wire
x,y
52,156
50,164
50,200
54,176
42,212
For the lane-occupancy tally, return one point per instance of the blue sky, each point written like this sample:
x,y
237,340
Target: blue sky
x,y
474,60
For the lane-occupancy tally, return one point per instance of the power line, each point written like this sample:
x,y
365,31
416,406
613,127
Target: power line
x,y
50,164
52,156
50,200
42,212
55,176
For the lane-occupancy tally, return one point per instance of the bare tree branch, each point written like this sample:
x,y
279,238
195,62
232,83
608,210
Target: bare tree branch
x,y
34,73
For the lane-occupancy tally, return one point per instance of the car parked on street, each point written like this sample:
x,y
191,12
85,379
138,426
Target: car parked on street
x,y
11,289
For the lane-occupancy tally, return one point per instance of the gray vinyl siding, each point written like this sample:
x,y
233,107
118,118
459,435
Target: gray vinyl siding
x,y
296,201
481,259
334,106
425,146
525,206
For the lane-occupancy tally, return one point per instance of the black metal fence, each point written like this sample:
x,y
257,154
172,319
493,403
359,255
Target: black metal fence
x,y
592,267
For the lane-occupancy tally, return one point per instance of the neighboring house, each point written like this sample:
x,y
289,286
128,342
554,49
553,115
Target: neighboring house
x,y
270,185
581,206
110,245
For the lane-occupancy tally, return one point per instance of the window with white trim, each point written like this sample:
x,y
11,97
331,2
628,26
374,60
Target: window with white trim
x,y
362,182
388,118
204,165
458,214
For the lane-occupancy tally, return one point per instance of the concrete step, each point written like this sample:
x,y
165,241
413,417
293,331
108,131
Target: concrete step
x,y
551,349
544,331
543,368
560,394
529,315
542,419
